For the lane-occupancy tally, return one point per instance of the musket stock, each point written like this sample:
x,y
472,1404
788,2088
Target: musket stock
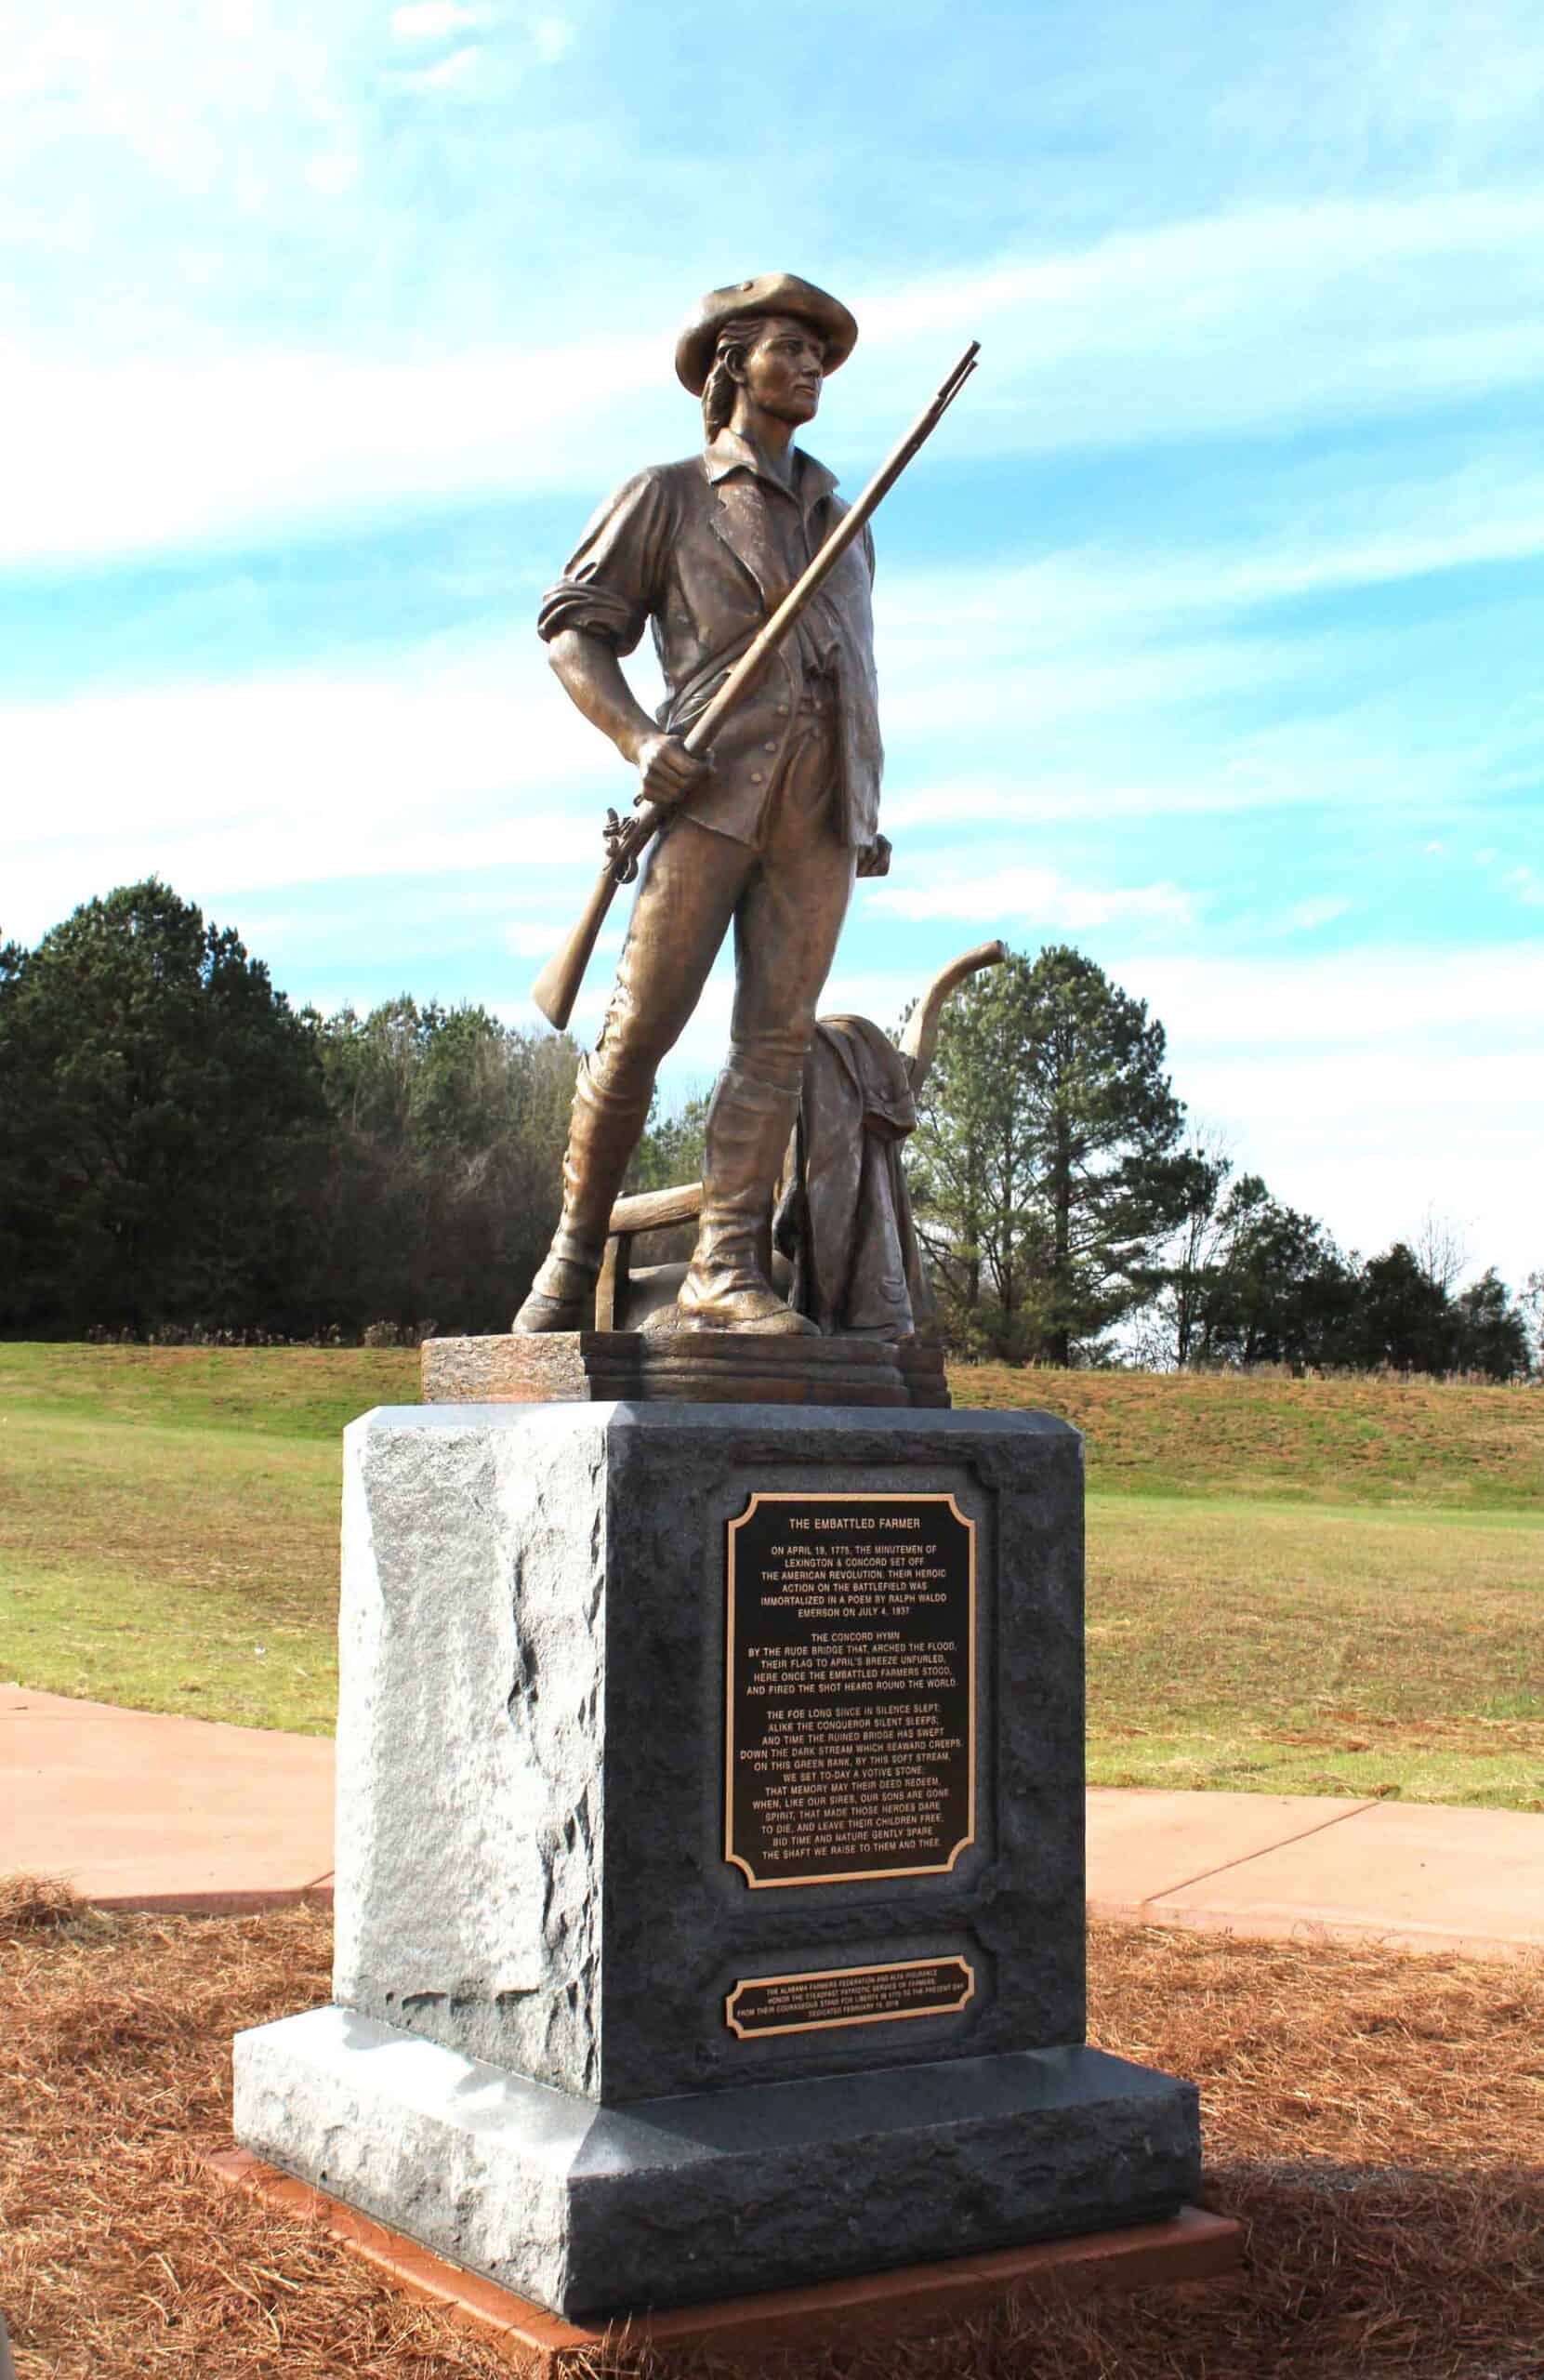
x,y
557,987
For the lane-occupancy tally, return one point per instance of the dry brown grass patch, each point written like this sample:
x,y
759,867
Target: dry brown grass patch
x,y
34,1904
1375,2120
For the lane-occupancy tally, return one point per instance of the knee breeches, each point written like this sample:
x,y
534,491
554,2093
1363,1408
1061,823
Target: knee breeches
x,y
787,902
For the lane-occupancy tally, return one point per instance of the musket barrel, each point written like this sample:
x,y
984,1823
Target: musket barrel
x,y
848,528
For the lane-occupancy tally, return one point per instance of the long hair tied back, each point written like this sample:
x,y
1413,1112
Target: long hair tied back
x,y
719,386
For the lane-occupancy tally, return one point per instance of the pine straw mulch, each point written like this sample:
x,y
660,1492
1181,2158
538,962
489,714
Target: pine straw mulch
x,y
1377,2122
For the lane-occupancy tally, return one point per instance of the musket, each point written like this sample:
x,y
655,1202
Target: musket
x,y
557,987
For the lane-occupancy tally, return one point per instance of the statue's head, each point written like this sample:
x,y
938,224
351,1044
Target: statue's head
x,y
775,337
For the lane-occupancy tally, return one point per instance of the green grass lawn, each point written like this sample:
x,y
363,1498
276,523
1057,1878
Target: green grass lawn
x,y
169,1519
1330,1587
1316,1649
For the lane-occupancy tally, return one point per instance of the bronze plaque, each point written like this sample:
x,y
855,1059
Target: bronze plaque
x,y
825,1996
850,1676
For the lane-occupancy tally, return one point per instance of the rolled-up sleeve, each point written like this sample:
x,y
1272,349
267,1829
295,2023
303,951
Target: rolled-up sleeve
x,y
615,578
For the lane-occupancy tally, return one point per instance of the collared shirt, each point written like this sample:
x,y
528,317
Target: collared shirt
x,y
702,551
798,512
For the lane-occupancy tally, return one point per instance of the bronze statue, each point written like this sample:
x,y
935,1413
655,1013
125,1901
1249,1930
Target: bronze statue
x,y
719,553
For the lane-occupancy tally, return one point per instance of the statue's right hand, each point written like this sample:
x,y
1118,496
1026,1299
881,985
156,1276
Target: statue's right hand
x,y
669,772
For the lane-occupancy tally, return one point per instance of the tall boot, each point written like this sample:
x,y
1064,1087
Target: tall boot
x,y
602,1133
727,1288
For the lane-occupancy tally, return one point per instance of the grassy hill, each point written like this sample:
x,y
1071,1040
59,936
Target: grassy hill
x,y
1302,1586
1320,1441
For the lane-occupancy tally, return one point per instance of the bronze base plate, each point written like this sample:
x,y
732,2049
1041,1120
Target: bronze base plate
x,y
689,1367
749,2333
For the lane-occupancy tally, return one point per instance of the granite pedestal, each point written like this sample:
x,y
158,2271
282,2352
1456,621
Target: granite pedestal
x,y
709,1891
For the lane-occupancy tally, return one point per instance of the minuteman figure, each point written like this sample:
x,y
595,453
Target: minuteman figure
x,y
768,832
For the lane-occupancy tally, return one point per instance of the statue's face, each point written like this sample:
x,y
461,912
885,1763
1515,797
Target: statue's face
x,y
782,371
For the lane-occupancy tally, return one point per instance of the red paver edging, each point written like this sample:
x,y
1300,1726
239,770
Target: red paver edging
x,y
1197,2246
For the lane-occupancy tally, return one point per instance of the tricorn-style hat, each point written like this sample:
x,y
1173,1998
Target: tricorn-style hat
x,y
772,293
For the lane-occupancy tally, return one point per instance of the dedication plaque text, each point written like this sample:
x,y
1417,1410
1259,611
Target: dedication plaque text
x,y
821,1999
851,1688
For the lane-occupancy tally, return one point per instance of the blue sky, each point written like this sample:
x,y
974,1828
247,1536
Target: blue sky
x,y
1208,624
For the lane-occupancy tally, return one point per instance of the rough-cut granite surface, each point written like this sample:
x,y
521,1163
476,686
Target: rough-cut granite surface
x,y
469,1740
529,2066
519,1881
593,2211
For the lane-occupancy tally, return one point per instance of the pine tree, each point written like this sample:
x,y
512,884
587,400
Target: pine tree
x,y
1045,1166
155,1089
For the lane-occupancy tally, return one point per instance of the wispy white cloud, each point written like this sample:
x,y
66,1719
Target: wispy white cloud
x,y
946,685
1226,324
461,760
530,938
1384,527
333,173
434,19
552,38
1306,917
1295,766
1366,1141
950,806
1039,899
1262,317
1369,1083
461,69
1372,995
190,454
1416,69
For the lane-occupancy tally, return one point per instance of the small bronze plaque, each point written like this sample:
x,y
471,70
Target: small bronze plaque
x,y
830,1996
850,1675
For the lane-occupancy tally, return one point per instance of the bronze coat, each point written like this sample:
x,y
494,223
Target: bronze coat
x,y
704,550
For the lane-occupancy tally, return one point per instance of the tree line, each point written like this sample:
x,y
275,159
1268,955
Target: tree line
x,y
1064,1210
181,1151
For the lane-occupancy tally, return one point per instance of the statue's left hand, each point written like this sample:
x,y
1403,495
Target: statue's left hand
x,y
874,859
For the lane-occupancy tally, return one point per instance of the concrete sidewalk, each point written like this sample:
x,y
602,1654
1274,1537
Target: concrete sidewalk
x,y
142,1812
1281,1866
138,1811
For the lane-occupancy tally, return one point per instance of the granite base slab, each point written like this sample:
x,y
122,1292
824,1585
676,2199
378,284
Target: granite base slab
x,y
591,2210
759,2334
